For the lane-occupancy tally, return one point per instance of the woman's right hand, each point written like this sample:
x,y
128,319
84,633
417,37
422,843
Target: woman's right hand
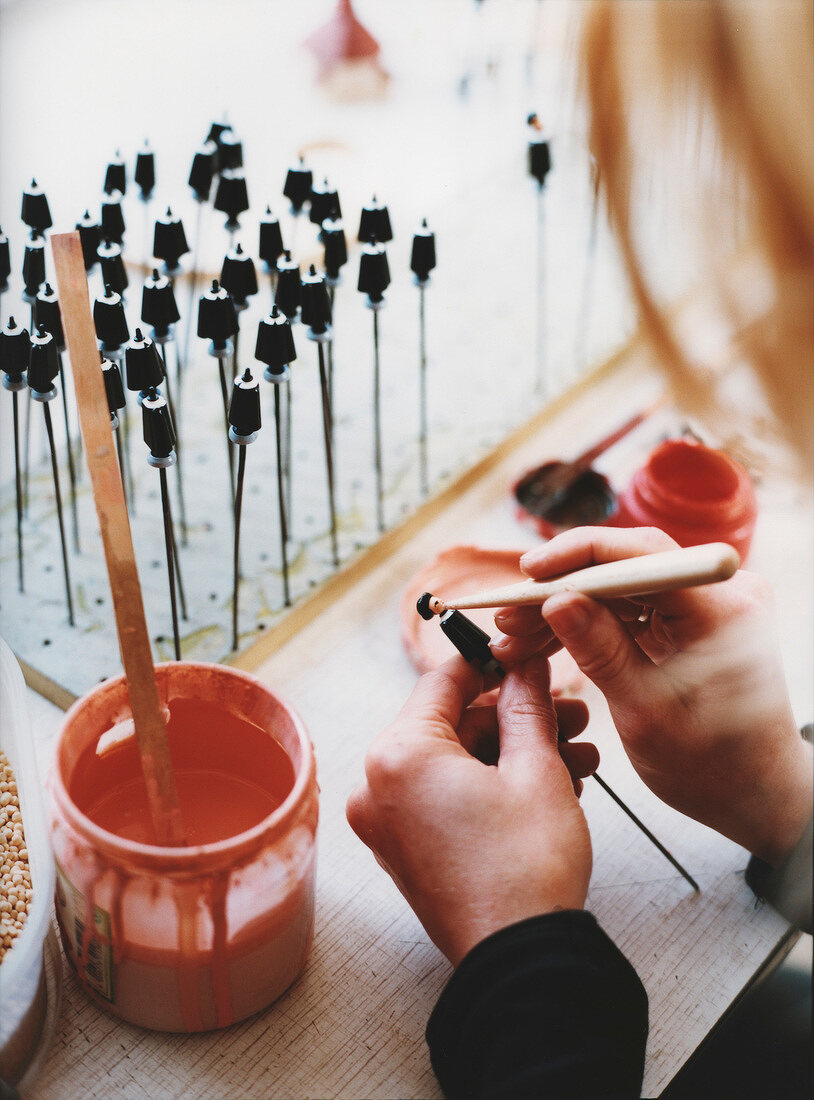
x,y
696,690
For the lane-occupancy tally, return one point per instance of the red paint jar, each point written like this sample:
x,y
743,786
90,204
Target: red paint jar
x,y
693,493
199,937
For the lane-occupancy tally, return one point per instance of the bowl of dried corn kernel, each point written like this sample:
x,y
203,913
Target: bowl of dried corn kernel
x,y
30,964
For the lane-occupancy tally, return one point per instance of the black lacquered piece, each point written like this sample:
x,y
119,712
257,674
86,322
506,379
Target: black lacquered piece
x,y
115,176
114,390
158,306
244,407
35,211
288,292
324,203
238,276
297,188
271,245
112,220
5,262
202,171
315,311
230,150
159,434
539,151
110,321
231,196
43,363
15,347
217,319
112,264
145,369
144,174
275,342
374,271
169,240
336,247
90,234
46,314
422,256
33,265
374,223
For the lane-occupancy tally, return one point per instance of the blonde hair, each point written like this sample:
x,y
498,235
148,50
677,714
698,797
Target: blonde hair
x,y
745,68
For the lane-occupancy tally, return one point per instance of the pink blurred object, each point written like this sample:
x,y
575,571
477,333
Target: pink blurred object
x,y
341,39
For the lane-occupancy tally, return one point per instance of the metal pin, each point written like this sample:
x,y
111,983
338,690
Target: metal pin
x,y
374,278
473,643
159,436
15,346
422,262
43,368
316,314
244,424
539,165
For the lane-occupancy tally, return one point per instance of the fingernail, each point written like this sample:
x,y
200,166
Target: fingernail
x,y
567,619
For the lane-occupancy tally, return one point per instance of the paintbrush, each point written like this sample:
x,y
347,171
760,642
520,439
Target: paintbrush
x,y
108,492
684,567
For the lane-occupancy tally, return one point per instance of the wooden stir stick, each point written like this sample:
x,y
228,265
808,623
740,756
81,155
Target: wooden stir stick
x,y
134,642
662,572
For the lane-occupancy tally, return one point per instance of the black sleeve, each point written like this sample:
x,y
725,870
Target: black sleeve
x,y
546,1008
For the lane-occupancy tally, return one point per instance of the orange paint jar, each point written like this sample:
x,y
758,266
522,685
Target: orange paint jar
x,y
694,493
199,937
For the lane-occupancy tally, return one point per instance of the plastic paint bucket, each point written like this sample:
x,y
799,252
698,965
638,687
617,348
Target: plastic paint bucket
x,y
199,937
694,493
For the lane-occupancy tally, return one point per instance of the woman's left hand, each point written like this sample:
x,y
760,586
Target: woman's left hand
x,y
475,847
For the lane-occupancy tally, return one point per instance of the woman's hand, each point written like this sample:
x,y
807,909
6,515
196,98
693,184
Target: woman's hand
x,y
475,847
694,682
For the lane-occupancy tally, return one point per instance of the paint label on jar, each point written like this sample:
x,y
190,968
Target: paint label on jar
x,y
72,910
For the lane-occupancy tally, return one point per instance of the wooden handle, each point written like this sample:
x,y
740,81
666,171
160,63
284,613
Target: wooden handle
x,y
114,524
671,569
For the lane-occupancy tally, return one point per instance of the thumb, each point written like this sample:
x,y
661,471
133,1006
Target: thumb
x,y
598,642
527,720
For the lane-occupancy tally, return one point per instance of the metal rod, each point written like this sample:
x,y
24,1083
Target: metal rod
x,y
27,455
329,458
586,299
71,468
176,560
331,293
50,430
422,382
224,392
168,546
542,387
241,469
18,488
182,509
193,278
128,467
377,425
626,809
287,455
120,453
281,504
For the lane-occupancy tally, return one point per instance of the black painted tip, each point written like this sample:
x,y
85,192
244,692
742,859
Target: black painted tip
x,y
108,288
152,393
33,182
48,289
423,606
247,375
373,201
86,215
41,330
275,312
139,336
239,249
268,208
532,118
423,223
215,287
169,211
155,273
11,323
287,255
312,270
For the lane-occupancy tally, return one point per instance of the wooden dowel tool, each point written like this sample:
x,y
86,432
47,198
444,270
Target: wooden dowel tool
x,y
108,493
663,572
